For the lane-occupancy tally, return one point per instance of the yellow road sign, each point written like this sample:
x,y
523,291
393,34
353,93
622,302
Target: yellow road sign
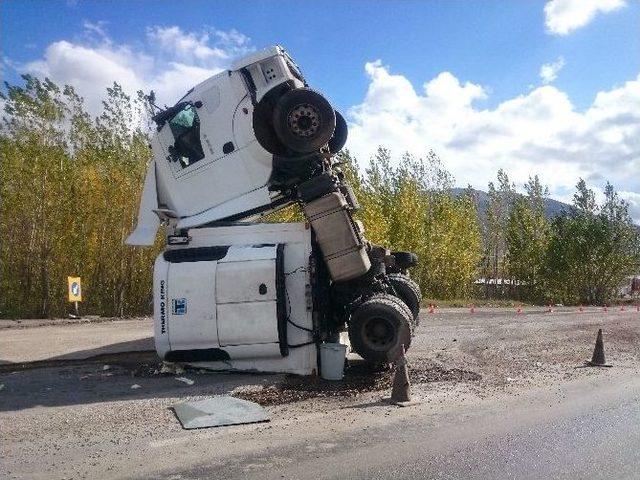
x,y
75,289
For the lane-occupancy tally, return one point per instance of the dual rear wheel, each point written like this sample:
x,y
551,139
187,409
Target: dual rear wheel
x,y
382,323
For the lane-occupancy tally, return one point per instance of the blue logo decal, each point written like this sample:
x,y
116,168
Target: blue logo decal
x,y
179,306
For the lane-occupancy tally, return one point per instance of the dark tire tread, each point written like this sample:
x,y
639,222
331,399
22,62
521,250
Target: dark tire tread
x,y
392,306
409,292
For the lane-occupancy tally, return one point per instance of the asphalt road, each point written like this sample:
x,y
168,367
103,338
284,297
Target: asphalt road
x,y
589,430
38,341
86,410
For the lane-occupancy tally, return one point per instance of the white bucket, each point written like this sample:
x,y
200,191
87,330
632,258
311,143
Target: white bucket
x,y
332,357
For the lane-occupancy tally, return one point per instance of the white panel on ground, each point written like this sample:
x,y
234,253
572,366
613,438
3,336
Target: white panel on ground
x,y
219,411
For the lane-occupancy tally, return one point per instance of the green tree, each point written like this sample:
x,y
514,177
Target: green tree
x,y
499,206
70,186
592,249
527,240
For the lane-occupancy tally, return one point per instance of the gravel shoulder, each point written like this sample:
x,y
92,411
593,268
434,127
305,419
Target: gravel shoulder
x,y
86,421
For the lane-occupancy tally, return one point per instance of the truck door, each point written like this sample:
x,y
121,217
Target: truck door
x,y
247,300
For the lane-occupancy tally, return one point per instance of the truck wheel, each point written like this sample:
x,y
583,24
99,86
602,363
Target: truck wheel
x,y
409,292
405,260
304,120
339,134
379,325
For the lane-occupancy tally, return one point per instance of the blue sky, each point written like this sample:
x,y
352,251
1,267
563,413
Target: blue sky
x,y
483,59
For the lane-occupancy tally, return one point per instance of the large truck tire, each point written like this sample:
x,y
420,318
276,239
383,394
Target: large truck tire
x,y
304,120
409,292
379,326
340,134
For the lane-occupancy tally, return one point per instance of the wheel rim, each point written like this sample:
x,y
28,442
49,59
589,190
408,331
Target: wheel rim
x,y
378,334
304,120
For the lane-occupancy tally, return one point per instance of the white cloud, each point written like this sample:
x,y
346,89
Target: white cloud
x,y
549,71
97,28
90,70
539,132
564,16
633,199
170,63
190,46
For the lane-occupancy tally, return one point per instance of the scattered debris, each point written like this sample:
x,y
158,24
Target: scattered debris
x,y
106,367
135,386
172,368
186,380
509,379
1,386
218,412
359,377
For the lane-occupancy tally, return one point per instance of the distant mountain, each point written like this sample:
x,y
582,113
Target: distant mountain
x,y
552,208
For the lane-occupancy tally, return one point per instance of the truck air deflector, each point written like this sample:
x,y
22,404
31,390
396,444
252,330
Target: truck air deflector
x,y
195,254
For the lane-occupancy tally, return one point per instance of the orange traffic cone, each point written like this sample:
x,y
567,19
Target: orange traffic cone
x,y
622,308
472,308
431,308
597,359
581,309
519,310
605,308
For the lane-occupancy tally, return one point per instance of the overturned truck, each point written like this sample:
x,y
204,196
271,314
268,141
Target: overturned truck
x,y
232,292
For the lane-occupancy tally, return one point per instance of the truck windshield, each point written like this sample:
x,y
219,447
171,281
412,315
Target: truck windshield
x,y
185,127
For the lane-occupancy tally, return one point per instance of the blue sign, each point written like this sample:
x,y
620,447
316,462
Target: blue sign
x,y
179,306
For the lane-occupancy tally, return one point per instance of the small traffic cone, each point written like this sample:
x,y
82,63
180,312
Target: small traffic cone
x,y
605,308
581,309
597,360
622,308
400,391
431,308
519,310
472,308
549,309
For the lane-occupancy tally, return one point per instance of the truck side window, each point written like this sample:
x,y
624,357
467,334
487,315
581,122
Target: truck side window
x,y
185,127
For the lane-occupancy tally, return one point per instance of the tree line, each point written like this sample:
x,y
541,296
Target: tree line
x,y
70,187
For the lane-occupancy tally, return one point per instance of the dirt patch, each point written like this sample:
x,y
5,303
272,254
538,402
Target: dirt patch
x,y
359,378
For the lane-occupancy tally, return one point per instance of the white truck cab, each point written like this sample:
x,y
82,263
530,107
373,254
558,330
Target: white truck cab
x,y
233,294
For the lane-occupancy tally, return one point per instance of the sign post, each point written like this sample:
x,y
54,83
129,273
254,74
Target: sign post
x,y
75,294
